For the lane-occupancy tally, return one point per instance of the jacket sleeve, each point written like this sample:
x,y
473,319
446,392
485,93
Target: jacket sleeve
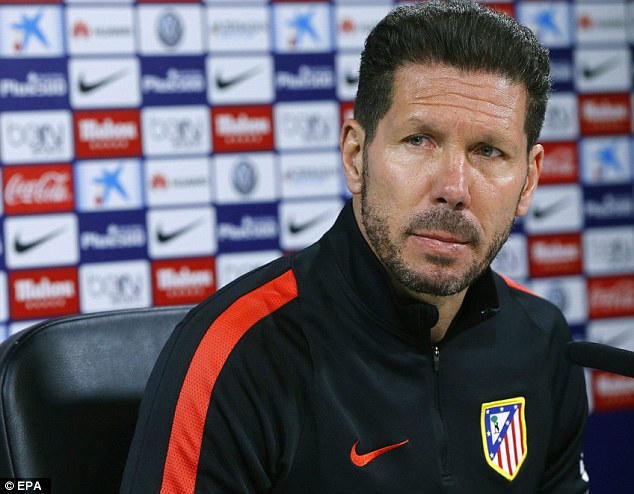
x,y
223,407
565,472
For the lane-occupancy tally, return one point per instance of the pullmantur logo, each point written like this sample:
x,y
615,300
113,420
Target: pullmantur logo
x,y
183,77
305,77
24,86
105,237
242,227
609,205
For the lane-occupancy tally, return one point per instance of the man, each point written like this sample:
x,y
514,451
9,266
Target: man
x,y
388,357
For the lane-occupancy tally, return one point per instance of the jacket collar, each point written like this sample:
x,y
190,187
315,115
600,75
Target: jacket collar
x,y
411,320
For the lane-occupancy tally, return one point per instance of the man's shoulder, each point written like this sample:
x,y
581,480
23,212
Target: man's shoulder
x,y
274,281
541,311
234,322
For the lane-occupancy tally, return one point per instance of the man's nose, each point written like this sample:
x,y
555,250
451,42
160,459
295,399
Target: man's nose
x,y
451,181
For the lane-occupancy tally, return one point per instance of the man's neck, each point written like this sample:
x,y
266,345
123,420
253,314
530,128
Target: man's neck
x,y
448,307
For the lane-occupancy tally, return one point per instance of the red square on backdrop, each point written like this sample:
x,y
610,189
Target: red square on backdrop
x,y
555,255
605,114
242,128
41,293
183,281
38,189
107,134
611,296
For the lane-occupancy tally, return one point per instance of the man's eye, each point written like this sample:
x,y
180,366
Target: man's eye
x,y
416,140
489,151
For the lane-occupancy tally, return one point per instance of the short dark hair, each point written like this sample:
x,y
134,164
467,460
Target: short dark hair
x,y
458,34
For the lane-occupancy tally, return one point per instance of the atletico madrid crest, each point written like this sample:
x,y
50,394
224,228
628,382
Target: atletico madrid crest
x,y
504,435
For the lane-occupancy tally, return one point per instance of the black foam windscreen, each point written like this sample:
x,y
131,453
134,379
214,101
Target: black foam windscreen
x,y
601,357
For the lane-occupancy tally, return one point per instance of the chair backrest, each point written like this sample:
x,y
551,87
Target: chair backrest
x,y
70,390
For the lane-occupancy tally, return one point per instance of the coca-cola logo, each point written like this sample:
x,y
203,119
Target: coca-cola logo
x,y
50,187
38,190
611,297
561,163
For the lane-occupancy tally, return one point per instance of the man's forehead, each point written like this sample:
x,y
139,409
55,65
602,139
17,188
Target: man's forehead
x,y
486,92
408,73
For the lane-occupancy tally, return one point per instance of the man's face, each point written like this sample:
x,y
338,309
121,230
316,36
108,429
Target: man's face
x,y
438,188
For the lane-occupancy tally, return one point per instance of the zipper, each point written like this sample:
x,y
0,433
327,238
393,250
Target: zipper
x,y
438,418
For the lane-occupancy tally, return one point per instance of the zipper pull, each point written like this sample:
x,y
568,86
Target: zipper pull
x,y
436,352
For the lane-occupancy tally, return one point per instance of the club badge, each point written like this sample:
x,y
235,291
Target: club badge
x,y
504,435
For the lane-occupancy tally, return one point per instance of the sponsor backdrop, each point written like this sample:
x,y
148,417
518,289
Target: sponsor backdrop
x,y
151,152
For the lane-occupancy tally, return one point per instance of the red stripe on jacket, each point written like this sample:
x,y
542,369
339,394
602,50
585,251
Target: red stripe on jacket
x,y
516,285
183,452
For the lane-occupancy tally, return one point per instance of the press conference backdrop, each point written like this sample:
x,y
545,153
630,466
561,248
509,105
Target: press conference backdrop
x,y
153,151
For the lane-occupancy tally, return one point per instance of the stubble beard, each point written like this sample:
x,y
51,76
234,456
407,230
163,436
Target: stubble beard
x,y
418,280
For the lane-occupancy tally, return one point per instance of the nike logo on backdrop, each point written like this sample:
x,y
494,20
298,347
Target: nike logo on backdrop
x,y
363,459
22,247
87,87
590,72
352,78
296,228
224,83
541,212
163,237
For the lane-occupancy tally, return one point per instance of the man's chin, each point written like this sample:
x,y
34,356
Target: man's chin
x,y
433,283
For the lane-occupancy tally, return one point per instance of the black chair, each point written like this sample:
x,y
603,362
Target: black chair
x,y
70,390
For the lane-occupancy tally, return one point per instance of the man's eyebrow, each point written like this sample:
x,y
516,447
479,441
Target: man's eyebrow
x,y
430,126
421,123
498,139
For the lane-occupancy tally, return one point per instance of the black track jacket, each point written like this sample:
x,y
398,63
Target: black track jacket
x,y
306,376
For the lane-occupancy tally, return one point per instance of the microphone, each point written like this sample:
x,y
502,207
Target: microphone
x,y
601,357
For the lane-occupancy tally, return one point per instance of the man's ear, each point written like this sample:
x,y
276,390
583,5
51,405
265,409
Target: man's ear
x,y
351,144
535,160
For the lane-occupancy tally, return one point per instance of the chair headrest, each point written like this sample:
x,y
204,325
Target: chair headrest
x,y
70,391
